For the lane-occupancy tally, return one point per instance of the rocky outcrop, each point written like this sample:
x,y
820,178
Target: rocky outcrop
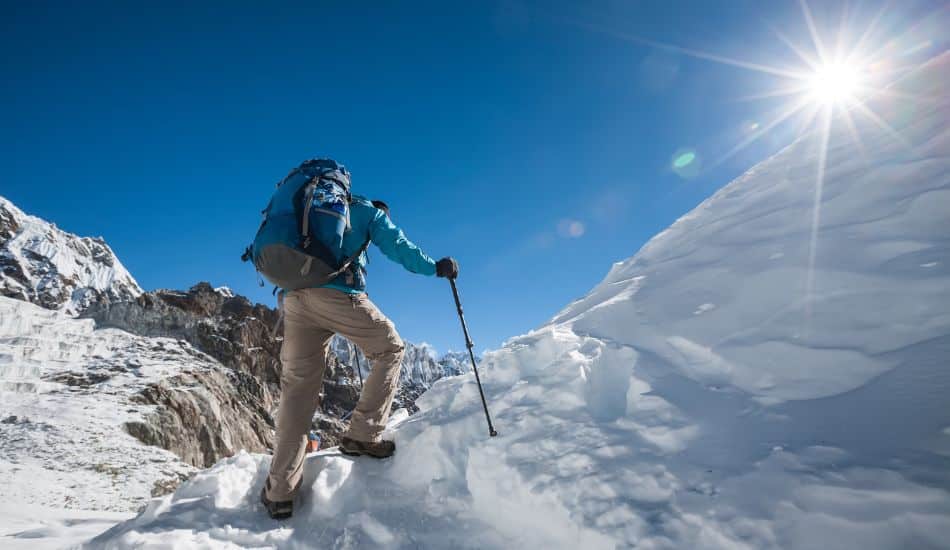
x,y
227,327
240,336
203,416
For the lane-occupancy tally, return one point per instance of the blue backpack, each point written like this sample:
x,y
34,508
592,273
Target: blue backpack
x,y
299,243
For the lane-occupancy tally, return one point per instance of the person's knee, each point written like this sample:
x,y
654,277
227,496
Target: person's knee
x,y
390,345
395,346
302,370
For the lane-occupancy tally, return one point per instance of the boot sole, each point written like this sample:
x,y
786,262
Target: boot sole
x,y
360,453
274,515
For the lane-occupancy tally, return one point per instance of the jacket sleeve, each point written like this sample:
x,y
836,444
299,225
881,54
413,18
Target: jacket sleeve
x,y
394,244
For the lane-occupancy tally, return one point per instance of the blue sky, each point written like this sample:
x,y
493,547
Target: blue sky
x,y
527,139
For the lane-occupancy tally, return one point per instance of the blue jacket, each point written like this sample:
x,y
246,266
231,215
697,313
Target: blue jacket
x,y
367,221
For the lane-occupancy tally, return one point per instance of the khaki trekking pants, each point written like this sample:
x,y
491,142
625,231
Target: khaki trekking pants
x,y
311,317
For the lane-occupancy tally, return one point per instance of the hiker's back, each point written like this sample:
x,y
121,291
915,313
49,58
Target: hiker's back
x,y
315,233
299,243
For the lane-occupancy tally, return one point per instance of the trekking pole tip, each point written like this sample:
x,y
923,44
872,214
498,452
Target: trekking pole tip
x,y
492,433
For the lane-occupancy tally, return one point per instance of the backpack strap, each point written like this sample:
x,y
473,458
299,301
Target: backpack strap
x,y
305,224
305,221
349,261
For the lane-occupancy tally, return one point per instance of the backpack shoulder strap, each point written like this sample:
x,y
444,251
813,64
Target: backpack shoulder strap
x,y
305,216
349,261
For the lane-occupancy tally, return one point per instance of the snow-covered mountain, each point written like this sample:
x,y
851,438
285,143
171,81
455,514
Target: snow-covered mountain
x,y
769,372
422,366
43,264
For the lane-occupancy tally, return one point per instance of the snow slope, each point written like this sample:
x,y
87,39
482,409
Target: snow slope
x,y
29,527
66,389
43,264
730,386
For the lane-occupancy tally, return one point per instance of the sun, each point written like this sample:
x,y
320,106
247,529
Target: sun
x,y
835,83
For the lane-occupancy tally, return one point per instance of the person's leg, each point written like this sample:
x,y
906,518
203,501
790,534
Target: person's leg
x,y
384,348
359,320
303,361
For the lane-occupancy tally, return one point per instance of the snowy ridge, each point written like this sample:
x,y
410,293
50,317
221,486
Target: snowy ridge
x,y
724,388
42,264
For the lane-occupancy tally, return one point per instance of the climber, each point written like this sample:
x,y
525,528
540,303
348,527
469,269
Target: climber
x,y
312,244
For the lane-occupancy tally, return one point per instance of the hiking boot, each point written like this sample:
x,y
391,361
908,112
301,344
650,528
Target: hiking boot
x,y
379,449
277,510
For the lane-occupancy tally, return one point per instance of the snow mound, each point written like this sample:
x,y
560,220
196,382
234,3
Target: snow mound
x,y
43,264
742,382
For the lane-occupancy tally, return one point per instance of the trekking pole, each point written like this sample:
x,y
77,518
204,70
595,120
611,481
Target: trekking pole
x,y
356,354
471,355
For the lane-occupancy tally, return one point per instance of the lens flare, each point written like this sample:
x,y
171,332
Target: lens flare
x,y
684,160
686,163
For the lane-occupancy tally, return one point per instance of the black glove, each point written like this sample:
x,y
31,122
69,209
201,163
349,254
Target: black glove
x,y
447,267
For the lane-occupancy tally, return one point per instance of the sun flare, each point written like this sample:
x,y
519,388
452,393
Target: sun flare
x,y
835,83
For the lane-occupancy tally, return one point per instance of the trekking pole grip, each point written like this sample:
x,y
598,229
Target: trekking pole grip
x,y
471,355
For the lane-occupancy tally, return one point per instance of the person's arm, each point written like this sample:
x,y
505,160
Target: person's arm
x,y
394,244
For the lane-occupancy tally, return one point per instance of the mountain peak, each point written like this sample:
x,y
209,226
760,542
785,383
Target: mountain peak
x,y
55,269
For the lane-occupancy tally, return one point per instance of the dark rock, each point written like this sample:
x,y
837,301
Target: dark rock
x,y
80,379
203,417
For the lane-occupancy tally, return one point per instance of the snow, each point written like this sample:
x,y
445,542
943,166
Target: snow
x,y
225,291
65,392
726,387
37,528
